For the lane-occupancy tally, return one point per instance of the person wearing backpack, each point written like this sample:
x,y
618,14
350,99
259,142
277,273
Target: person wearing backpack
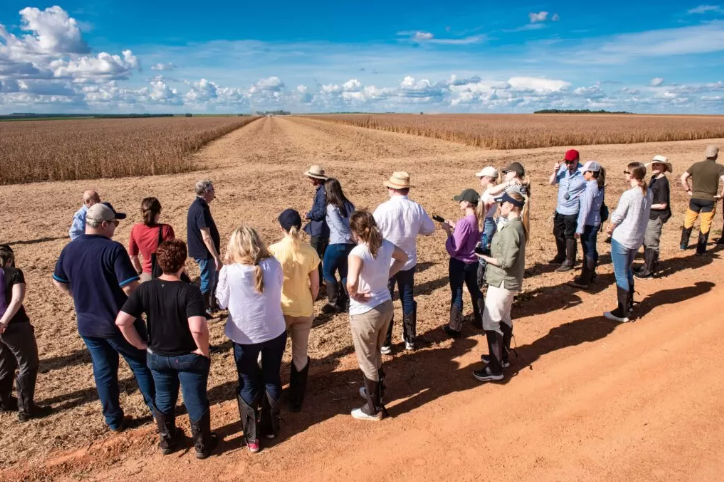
x,y
589,221
146,237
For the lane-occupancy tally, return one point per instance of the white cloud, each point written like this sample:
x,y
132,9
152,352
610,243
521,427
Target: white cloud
x,y
272,84
538,17
538,84
160,66
420,36
657,82
706,9
352,85
104,66
53,31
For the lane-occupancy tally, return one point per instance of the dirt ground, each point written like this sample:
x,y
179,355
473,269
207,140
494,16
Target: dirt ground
x,y
588,399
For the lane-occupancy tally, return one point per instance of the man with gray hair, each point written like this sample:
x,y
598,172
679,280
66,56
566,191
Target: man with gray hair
x,y
204,242
77,228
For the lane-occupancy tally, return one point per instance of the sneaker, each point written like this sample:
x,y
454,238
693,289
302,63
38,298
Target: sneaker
x,y
485,375
386,350
642,274
253,446
409,346
451,333
358,414
486,359
616,316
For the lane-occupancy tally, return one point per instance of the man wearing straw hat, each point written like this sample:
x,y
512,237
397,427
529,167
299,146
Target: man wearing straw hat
x,y
660,213
704,193
317,228
400,221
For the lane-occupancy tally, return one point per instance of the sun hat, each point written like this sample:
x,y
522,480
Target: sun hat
x,y
661,160
508,198
316,172
488,171
571,155
290,218
515,167
398,180
712,151
592,166
469,195
101,212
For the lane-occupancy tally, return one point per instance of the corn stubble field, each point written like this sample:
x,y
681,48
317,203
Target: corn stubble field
x,y
66,150
540,130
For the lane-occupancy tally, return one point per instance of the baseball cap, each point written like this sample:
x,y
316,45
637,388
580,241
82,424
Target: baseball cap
x,y
103,212
571,155
488,171
508,198
469,195
515,167
712,151
592,166
289,219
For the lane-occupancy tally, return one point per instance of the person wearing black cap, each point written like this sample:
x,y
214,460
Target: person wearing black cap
x,y
462,237
504,275
97,272
301,285
571,185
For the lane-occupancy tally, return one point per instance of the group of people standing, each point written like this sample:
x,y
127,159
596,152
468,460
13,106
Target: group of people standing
x,y
362,257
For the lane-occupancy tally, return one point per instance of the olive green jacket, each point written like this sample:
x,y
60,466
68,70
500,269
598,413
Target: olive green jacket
x,y
508,248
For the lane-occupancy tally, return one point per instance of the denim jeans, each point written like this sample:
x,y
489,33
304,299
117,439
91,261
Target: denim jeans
x,y
335,259
252,378
191,372
588,242
486,237
320,246
209,276
104,355
463,274
623,259
405,281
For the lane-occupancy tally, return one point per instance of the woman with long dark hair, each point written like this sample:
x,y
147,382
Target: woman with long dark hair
x,y
339,210
627,229
589,221
146,236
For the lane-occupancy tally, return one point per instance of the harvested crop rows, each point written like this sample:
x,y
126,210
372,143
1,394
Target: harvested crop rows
x,y
540,130
88,149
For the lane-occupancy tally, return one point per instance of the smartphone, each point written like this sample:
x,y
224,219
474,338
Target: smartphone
x,y
483,251
437,218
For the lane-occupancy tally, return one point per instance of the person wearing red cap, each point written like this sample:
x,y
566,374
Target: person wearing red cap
x,y
571,185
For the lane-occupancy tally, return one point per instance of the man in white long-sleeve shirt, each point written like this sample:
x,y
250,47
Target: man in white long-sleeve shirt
x,y
401,220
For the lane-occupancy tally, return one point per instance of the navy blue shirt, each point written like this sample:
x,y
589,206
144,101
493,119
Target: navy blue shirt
x,y
199,217
96,268
317,226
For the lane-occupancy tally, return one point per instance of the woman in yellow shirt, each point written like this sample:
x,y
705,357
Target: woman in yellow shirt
x,y
301,286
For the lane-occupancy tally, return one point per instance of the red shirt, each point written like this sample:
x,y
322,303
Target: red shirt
x,y
144,239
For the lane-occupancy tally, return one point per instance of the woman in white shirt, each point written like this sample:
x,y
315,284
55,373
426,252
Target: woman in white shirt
x,y
250,286
485,211
370,310
627,229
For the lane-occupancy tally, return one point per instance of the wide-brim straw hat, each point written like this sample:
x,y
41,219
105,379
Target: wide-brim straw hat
x,y
661,160
398,180
316,172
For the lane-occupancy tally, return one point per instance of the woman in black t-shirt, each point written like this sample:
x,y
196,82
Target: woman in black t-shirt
x,y
177,349
660,213
18,348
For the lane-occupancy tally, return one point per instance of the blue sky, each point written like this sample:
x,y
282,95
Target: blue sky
x,y
162,56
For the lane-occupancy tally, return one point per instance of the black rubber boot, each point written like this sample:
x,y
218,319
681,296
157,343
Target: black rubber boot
x,y
332,297
374,406
685,235
493,371
298,387
570,262
167,432
249,415
269,419
649,266
455,327
27,409
620,314
587,272
205,441
478,309
409,325
701,243
8,403
507,339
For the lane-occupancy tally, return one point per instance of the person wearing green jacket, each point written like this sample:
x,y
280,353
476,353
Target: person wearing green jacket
x,y
504,275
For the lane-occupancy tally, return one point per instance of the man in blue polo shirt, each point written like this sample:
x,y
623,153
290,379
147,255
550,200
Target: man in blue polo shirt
x,y
571,185
97,272
204,242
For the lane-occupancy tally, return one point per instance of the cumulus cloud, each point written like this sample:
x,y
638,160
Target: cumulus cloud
x,y
657,82
538,17
706,9
52,31
160,66
104,66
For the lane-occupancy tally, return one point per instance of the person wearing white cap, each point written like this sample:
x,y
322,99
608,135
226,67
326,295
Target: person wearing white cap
x,y
589,220
660,213
704,193
486,211
401,220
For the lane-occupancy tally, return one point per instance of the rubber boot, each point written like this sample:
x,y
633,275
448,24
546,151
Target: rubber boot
x,y
8,403
570,262
701,243
584,281
269,417
493,371
332,297
507,339
374,409
25,388
207,302
167,432
342,299
478,309
685,235
455,327
620,314
409,327
298,386
249,415
204,439
631,292
647,269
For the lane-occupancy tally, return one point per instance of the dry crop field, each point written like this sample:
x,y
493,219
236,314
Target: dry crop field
x,y
540,130
586,399
91,148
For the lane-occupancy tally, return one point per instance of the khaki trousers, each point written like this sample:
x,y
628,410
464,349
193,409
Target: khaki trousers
x,y
368,333
299,328
498,303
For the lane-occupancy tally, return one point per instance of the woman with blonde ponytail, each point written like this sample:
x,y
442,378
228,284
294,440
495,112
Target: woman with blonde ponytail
x,y
250,286
301,286
627,230
485,214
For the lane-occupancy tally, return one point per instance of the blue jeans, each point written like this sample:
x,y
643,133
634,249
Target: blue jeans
x,y
335,259
464,274
405,281
191,372
486,237
209,275
623,259
252,379
588,242
104,355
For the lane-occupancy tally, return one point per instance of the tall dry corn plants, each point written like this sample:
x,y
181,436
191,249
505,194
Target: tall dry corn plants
x,y
92,148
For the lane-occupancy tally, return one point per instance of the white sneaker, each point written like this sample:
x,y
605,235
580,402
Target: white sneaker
x,y
613,317
409,346
358,414
386,350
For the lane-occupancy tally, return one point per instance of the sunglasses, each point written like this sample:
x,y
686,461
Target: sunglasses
x,y
114,222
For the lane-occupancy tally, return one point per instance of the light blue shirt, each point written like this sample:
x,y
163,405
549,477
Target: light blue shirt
x,y
570,190
590,210
339,232
77,228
